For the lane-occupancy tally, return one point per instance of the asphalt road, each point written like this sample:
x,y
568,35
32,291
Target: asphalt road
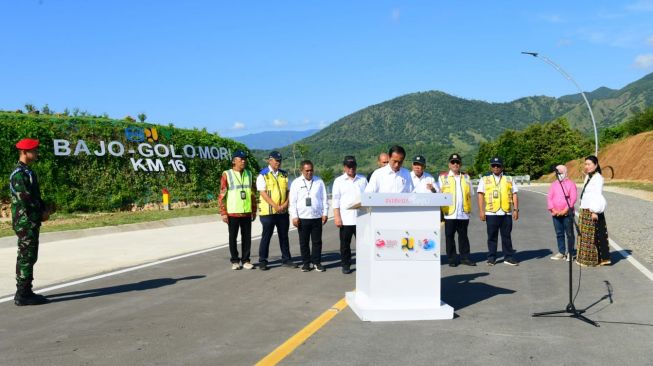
x,y
197,311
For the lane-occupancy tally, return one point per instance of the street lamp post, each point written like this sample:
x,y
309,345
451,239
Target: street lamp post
x,y
568,77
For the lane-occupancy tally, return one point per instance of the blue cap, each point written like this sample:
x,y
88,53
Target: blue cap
x,y
496,160
239,154
419,159
275,155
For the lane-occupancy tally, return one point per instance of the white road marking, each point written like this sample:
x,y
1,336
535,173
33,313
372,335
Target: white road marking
x,y
135,268
617,247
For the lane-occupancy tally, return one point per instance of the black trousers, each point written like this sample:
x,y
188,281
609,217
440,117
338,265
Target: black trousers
x,y
282,223
245,226
346,233
451,227
310,229
602,238
496,224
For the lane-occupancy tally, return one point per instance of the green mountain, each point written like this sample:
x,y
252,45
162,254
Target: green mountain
x,y
435,124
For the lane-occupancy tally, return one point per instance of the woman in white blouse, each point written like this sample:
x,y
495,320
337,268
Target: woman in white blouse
x,y
593,248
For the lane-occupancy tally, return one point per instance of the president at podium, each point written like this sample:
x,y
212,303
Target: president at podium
x,y
391,178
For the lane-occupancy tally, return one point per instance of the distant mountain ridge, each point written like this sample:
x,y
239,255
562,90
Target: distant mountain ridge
x,y
435,124
272,139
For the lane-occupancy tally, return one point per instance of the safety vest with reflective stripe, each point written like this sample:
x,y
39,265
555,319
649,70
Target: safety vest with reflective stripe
x,y
276,188
498,196
235,202
448,185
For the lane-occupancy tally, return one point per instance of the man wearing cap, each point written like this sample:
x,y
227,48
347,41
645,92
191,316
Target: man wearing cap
x,y
272,184
456,216
422,181
381,161
391,178
498,203
346,191
238,208
27,212
309,211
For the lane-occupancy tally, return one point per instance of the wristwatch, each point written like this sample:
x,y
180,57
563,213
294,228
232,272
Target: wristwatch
x,y
516,210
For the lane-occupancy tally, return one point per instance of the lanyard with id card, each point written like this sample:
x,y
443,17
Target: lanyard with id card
x,y
308,193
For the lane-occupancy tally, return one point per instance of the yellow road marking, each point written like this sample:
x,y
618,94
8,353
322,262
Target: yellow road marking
x,y
300,337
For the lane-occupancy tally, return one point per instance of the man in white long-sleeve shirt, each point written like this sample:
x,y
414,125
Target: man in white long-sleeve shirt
x,y
392,178
346,192
309,211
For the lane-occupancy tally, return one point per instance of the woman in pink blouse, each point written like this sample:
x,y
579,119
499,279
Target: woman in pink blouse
x,y
560,202
593,248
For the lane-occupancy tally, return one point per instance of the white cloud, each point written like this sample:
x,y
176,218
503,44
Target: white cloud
x,y
649,41
238,126
641,5
279,123
396,14
644,61
322,124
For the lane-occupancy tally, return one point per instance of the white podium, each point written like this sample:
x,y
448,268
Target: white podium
x,y
398,257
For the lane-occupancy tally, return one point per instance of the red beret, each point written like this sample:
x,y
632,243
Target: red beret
x,y
27,144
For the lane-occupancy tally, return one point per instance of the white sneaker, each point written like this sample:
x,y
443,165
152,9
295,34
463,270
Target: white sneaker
x,y
248,265
558,256
235,266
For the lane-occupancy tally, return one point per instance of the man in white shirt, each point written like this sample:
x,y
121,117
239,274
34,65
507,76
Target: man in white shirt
x,y
423,181
346,191
498,204
392,178
308,212
456,216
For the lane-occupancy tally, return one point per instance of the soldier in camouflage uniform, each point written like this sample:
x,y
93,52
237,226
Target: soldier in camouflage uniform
x,y
27,213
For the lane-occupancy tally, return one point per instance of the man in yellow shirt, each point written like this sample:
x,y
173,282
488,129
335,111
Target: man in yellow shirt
x,y
498,204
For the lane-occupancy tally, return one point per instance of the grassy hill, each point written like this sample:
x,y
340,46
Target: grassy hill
x,y
435,123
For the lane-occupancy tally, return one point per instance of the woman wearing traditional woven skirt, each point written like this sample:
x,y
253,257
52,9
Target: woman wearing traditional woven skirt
x,y
593,245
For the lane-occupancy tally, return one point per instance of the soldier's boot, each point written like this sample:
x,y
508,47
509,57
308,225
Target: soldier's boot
x,y
24,298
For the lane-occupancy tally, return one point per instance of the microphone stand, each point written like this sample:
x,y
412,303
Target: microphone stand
x,y
571,308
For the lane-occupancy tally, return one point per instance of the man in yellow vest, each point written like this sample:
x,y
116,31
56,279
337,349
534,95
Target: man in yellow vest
x,y
456,216
497,199
238,208
272,184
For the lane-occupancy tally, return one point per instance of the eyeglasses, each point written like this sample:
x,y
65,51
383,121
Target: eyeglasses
x,y
495,165
308,170
455,162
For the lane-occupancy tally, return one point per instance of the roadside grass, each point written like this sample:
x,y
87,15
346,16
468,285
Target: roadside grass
x,y
642,186
76,221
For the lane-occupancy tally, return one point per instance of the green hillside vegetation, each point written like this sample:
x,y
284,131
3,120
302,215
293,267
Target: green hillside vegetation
x,y
636,124
538,147
535,149
436,124
105,183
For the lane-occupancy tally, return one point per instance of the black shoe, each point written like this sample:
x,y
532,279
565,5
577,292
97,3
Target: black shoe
x,y
467,262
306,267
511,261
290,264
263,266
453,264
491,262
23,300
319,268
346,270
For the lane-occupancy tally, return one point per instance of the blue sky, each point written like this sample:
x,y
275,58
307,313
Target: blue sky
x,y
241,67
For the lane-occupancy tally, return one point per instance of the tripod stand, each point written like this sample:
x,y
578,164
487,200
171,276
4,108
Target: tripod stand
x,y
570,308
